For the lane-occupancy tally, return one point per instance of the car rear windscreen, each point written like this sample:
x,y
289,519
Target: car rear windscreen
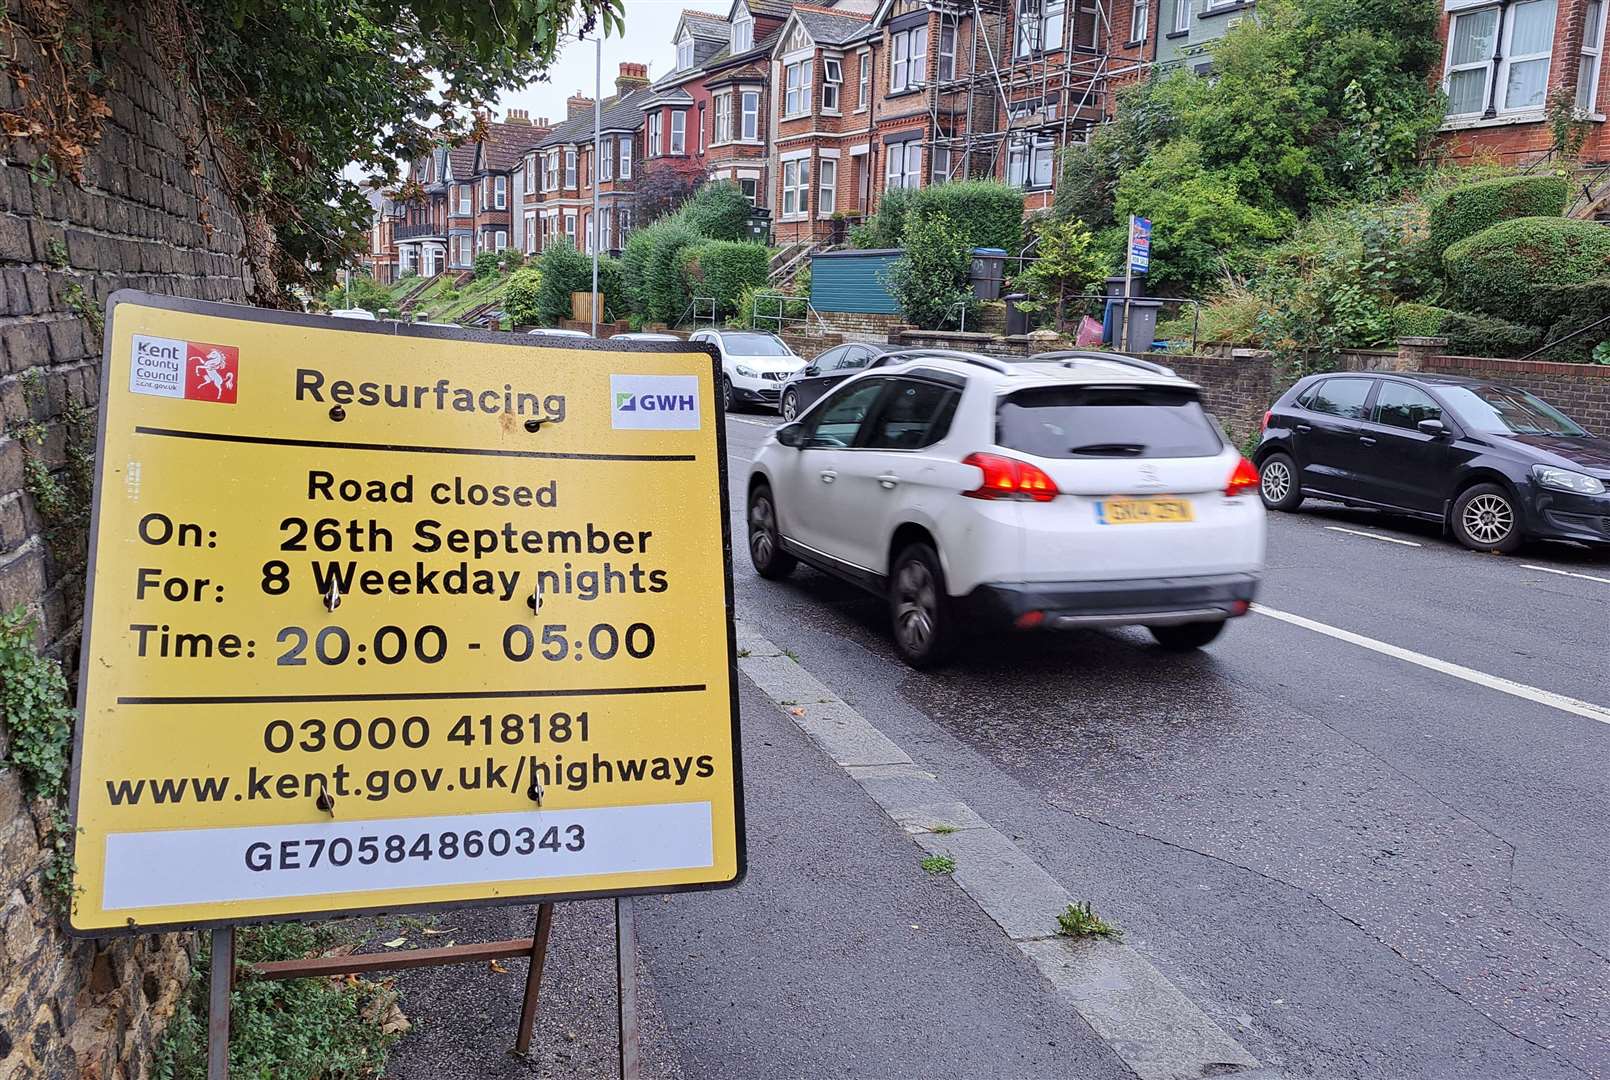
x,y
1107,422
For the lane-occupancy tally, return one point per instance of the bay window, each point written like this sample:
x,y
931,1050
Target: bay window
x,y
797,83
723,117
606,162
570,168
626,158
751,115
1040,24
796,187
832,81
1498,60
654,135
947,53
679,131
908,58
1029,160
827,183
904,166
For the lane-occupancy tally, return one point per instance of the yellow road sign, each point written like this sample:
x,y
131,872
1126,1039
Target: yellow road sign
x,y
389,617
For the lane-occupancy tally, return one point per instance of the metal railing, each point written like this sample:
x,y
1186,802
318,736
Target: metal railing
x,y
777,311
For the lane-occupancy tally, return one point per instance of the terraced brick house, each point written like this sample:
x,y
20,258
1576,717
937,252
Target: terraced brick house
x,y
738,80
421,235
499,153
1506,61
380,255
677,117
561,206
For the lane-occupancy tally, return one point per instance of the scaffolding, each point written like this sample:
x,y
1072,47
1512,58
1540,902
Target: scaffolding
x,y
1003,89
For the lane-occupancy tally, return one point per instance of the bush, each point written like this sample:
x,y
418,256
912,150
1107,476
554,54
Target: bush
x,y
612,283
1481,335
1418,320
486,265
718,211
985,213
520,296
561,270
931,278
1571,308
363,292
723,269
1466,211
887,226
1069,264
663,287
634,268
1502,269
510,259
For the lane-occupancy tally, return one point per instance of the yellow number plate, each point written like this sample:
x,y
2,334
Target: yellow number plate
x,y
1142,511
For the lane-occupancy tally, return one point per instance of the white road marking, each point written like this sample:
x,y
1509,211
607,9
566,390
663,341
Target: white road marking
x,y
746,420
1566,573
1372,536
1584,709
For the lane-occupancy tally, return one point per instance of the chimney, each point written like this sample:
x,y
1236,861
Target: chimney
x,y
577,105
517,116
632,77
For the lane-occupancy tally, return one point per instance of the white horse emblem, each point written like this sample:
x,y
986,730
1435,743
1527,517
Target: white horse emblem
x,y
211,371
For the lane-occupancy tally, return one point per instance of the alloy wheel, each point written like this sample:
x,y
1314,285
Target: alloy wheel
x,y
762,531
916,606
790,408
1276,481
1488,518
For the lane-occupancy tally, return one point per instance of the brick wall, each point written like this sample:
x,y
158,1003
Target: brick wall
x,y
82,1009
1581,391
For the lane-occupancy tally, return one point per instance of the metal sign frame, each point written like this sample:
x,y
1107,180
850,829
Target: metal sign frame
x,y
406,330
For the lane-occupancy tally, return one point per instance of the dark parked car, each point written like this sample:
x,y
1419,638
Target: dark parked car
x,y
827,371
1493,463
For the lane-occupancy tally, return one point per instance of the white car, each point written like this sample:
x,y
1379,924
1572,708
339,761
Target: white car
x,y
1072,489
353,313
754,365
644,336
554,331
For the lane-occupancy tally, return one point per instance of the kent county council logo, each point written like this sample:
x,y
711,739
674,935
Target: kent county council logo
x,y
193,370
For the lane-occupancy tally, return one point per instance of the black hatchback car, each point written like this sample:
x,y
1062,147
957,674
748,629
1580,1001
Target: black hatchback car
x,y
825,372
1494,464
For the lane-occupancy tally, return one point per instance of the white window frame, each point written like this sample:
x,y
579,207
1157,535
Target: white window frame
x,y
832,85
947,54
723,118
1140,18
679,132
1510,59
743,32
797,88
654,134
939,164
796,188
903,167
750,118
465,199
570,168
626,158
701,127
500,239
1030,17
606,164
750,186
466,250
1182,16
500,192
531,232
570,227
1495,85
863,83
1031,160
684,52
1590,67
827,185
908,58
552,170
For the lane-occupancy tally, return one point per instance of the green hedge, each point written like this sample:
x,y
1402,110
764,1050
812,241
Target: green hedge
x,y
1501,270
1467,210
723,269
718,211
985,213
1482,335
887,226
562,270
664,288
1573,308
1418,320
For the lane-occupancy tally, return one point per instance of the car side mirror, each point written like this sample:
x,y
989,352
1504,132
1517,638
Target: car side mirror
x,y
1434,428
791,435
809,370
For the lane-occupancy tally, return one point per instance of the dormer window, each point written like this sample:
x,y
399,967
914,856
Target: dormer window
x,y
684,52
743,32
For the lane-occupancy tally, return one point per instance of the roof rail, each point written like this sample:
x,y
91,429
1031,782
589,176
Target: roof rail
x,y
1116,358
918,352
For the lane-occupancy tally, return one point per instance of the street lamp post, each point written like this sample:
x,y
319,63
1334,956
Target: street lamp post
x,y
594,232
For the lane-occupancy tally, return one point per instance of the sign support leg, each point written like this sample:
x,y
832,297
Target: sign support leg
x,y
223,969
626,986
533,978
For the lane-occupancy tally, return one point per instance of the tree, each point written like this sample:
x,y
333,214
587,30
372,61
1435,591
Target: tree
x,y
930,281
718,211
290,93
520,296
562,270
663,185
1070,263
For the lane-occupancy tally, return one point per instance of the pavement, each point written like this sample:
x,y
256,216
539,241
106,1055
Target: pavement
x,y
1363,835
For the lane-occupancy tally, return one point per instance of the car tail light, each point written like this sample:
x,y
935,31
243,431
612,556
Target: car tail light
x,y
1265,425
1243,480
1009,478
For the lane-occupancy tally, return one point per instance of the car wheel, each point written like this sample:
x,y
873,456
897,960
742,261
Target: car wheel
x,y
790,407
726,394
1277,483
920,608
1485,519
765,544
1187,636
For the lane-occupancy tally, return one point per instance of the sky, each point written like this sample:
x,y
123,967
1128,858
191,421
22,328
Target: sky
x,y
649,26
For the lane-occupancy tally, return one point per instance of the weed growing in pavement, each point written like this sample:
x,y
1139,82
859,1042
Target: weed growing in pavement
x,y
943,829
939,864
742,653
792,655
1081,920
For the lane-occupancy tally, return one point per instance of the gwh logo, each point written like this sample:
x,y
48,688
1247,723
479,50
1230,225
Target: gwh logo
x,y
654,402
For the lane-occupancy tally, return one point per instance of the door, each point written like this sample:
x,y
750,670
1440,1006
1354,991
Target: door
x,y
1330,453
889,472
816,380
1402,466
808,495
